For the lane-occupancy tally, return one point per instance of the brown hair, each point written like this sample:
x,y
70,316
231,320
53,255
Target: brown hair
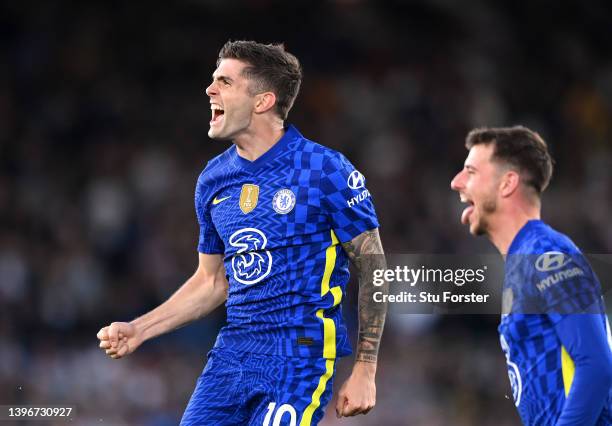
x,y
270,68
520,148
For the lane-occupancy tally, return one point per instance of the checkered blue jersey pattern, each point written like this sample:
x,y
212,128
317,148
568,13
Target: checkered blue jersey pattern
x,y
279,222
548,287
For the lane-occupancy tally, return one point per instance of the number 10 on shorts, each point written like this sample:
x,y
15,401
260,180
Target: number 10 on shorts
x,y
278,416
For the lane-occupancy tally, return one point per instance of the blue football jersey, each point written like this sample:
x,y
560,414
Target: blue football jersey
x,y
279,221
547,279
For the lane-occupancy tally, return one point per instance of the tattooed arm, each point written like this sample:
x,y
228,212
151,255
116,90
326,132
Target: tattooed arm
x,y
366,254
358,394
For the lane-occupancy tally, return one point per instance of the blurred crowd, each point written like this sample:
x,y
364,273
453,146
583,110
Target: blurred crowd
x,y
103,122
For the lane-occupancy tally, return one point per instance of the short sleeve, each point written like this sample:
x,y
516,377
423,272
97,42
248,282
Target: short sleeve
x,y
345,199
565,284
209,241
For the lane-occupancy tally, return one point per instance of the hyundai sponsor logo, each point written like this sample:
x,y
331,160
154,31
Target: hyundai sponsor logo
x,y
551,261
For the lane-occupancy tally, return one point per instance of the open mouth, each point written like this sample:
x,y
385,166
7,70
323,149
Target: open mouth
x,y
217,113
465,215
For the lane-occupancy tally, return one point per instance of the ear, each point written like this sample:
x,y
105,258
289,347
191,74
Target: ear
x,y
264,102
509,183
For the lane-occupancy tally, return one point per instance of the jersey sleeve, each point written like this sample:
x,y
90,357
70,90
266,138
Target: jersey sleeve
x,y
345,199
585,339
565,284
209,241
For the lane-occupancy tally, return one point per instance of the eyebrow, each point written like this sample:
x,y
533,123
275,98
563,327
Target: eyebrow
x,y
470,167
221,77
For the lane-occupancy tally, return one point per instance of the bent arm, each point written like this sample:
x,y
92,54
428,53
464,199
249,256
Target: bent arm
x,y
198,296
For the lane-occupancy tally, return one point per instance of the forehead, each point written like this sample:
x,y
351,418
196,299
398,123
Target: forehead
x,y
229,68
480,155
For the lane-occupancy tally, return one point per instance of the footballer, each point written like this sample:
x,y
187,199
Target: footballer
x,y
280,217
553,330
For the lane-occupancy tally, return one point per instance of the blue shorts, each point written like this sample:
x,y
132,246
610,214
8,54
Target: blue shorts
x,y
240,388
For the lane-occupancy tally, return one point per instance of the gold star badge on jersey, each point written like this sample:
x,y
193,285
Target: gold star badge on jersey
x,y
248,197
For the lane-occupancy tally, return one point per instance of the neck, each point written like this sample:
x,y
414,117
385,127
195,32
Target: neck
x,y
503,230
256,141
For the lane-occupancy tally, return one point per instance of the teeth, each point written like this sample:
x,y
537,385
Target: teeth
x,y
216,112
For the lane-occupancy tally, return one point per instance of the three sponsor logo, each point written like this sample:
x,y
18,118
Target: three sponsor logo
x,y
251,263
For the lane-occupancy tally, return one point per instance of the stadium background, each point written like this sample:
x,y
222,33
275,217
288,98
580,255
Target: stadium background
x,y
103,123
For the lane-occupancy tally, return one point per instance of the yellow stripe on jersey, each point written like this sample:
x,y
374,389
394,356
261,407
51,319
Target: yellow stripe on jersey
x,y
337,293
567,369
329,336
329,327
316,396
330,262
329,331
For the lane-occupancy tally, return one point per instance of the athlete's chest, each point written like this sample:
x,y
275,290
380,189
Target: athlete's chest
x,y
252,201
519,320
527,335
275,206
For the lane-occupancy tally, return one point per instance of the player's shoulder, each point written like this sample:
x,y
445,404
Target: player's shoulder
x,y
215,166
315,155
556,269
309,146
539,238
321,149
220,160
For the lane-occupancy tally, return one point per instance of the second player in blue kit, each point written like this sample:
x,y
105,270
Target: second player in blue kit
x,y
555,326
553,331
280,218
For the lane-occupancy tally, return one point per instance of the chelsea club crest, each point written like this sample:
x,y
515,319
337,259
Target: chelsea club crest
x,y
283,201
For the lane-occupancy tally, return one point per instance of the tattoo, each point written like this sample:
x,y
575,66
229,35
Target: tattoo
x,y
366,253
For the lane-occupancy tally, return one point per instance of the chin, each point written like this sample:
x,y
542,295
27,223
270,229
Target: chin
x,y
478,229
214,135
479,232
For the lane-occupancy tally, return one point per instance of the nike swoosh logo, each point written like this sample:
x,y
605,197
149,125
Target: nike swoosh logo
x,y
219,200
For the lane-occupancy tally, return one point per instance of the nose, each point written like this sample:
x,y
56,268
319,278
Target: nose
x,y
457,183
211,89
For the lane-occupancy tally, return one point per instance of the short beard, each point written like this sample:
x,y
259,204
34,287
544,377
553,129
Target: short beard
x,y
488,207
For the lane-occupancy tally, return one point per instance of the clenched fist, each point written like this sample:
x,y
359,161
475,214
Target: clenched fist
x,y
119,339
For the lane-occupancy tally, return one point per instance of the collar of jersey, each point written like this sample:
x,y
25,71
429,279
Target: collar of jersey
x,y
290,133
522,234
